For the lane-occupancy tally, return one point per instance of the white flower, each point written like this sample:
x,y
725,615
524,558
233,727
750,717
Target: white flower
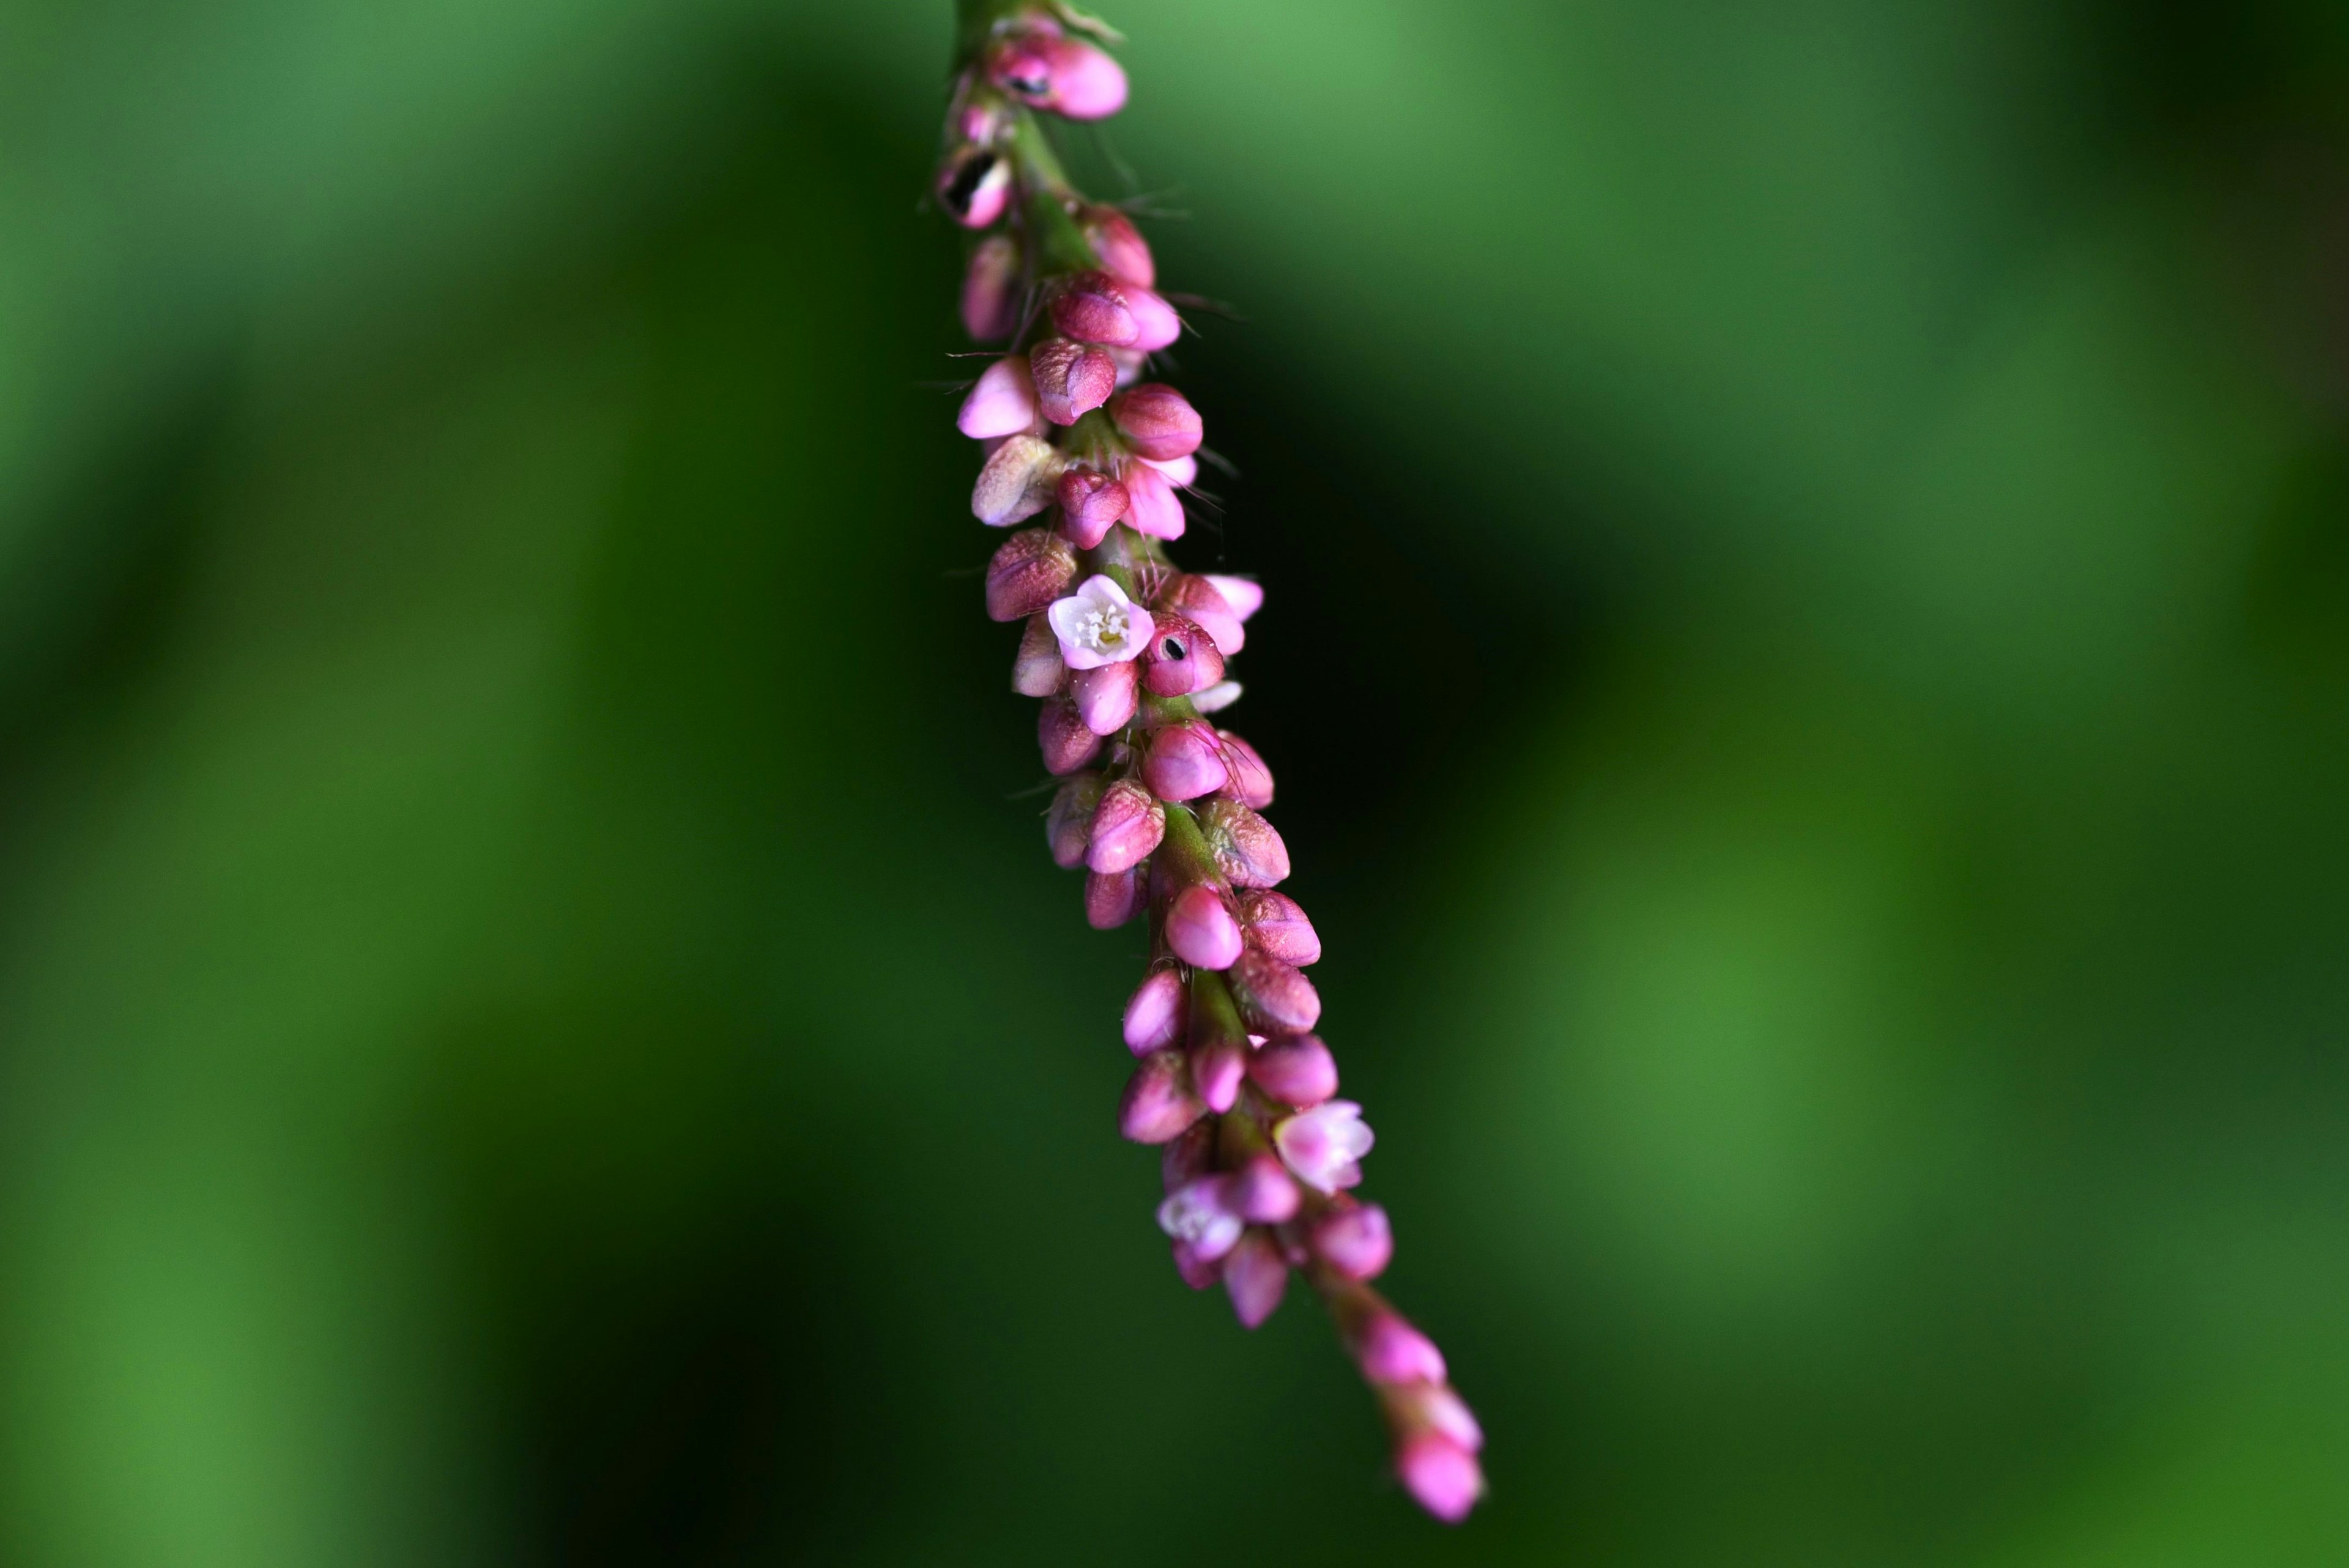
x,y
1322,1145
1194,1212
1098,624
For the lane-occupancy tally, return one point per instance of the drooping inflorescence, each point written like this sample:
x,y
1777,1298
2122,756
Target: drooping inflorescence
x,y
1127,653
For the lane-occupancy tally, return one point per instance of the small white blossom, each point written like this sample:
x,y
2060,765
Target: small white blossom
x,y
1194,1212
1324,1145
1098,624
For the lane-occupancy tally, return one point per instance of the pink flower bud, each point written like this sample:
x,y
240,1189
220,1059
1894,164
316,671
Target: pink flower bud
x,y
1443,1475
1197,1273
1436,1407
1197,600
1032,569
1183,471
1323,1146
1185,761
1091,502
1113,898
1158,1103
1036,669
990,304
1124,253
1065,76
1066,822
1063,737
1019,480
1156,420
1251,781
1098,624
975,186
1276,924
1106,696
1127,824
1152,505
1299,1072
1195,1212
1201,931
1002,403
1090,308
1242,594
1256,1276
1070,378
1274,998
1155,1016
1356,1242
1181,658
1390,1351
1156,325
1249,850
1217,1069
1262,1192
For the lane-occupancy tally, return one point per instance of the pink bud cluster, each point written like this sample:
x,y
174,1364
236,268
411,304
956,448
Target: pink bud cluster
x,y
1161,807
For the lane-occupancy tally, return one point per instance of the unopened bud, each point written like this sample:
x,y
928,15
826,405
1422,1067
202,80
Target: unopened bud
x,y
1090,308
1243,594
1068,820
1201,931
1217,1070
1071,378
1156,325
1182,470
1273,997
1155,1015
1061,735
1181,658
1443,1477
1435,1407
1002,403
1090,503
1390,1351
1256,1276
1263,1192
1064,76
1021,479
1152,505
1156,420
1031,568
975,186
1299,1072
1251,781
1112,898
1184,762
1188,1158
1355,1241
1124,253
1278,926
1036,668
1197,1273
1127,824
990,302
1196,600
1107,695
1249,850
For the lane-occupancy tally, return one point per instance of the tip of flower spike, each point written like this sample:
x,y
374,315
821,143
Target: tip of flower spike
x,y
1443,1477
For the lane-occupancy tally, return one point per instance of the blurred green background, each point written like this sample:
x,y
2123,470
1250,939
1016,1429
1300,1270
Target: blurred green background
x,y
1808,658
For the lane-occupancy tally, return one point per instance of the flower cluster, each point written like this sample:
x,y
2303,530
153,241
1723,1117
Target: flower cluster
x,y
1128,654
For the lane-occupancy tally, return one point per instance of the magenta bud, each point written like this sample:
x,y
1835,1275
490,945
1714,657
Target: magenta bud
x,y
1443,1475
1276,924
1356,1242
1251,781
1065,76
1091,501
1197,1273
1061,735
1201,931
1152,505
1390,1351
1299,1072
1243,594
975,186
1274,998
1188,1158
1249,850
1124,255
1156,1013
1156,420
1197,600
1435,1406
990,304
1112,898
1032,569
1071,380
1156,325
1158,1103
1180,659
1002,403
1217,1070
1256,1276
1020,479
1185,761
1262,1192
1036,668
1065,822
1129,822
1106,696
1091,309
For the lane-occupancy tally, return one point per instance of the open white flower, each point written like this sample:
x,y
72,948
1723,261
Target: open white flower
x,y
1195,1212
1098,624
1324,1146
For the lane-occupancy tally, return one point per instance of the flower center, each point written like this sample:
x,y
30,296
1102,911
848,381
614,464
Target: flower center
x,y
1103,628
